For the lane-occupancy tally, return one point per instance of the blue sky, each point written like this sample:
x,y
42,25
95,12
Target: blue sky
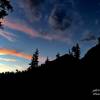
x,y
51,26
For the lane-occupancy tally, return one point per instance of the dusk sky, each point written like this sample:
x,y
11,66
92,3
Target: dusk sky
x,y
51,26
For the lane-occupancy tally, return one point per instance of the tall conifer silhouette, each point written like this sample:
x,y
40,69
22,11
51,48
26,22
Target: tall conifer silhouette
x,y
34,62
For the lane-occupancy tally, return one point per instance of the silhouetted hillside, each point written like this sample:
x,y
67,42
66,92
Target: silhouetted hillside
x,y
92,56
91,67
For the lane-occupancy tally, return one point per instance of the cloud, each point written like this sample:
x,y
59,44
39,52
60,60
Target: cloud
x,y
4,51
88,36
8,35
64,16
58,37
22,27
7,60
32,8
57,9
59,18
60,14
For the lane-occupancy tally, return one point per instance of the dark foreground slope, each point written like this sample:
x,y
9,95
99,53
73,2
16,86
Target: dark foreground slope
x,y
91,67
61,76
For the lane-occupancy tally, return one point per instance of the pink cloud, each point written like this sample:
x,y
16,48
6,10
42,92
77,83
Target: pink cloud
x,y
22,27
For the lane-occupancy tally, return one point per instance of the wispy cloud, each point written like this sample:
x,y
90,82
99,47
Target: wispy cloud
x,y
88,36
60,19
22,27
58,37
4,51
8,35
32,8
7,60
61,15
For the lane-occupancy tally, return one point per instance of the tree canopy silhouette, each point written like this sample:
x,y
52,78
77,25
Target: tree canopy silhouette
x,y
5,7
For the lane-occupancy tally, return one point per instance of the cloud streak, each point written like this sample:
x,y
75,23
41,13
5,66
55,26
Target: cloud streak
x,y
32,8
4,51
57,37
7,60
88,36
22,27
8,35
60,19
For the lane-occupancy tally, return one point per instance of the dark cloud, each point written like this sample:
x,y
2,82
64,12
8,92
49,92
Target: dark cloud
x,y
62,15
59,14
32,8
88,37
59,19
36,2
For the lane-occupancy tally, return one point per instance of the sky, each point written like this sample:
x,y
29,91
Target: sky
x,y
51,26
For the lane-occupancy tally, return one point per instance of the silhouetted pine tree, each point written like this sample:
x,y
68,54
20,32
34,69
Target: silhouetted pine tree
x,y
34,62
76,51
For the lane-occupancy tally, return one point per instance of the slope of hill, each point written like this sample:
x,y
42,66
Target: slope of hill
x,y
92,56
91,67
